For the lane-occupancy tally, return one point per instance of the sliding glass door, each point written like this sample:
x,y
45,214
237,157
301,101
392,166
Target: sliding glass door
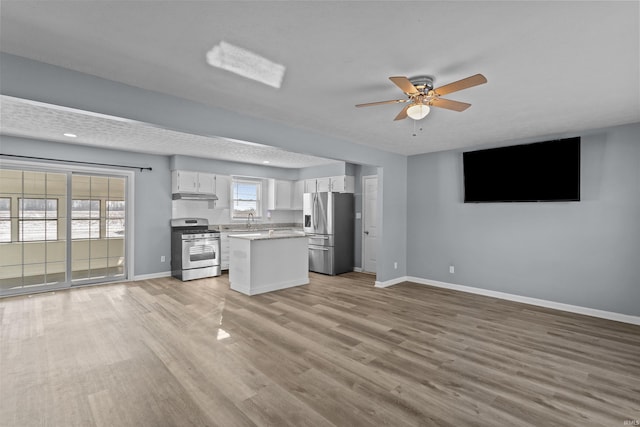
x,y
33,236
98,227
60,228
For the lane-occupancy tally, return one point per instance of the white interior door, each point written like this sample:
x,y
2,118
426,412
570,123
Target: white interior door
x,y
369,223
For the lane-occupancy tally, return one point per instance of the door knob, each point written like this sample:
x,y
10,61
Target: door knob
x,y
366,232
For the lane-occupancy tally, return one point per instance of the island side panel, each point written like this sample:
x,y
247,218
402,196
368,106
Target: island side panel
x,y
281,263
240,265
268,264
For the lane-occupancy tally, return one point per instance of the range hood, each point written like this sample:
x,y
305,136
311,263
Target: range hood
x,y
194,196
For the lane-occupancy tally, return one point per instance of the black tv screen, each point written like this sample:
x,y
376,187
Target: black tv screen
x,y
541,172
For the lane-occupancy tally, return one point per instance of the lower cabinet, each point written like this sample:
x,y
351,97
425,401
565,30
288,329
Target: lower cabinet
x,y
224,246
224,250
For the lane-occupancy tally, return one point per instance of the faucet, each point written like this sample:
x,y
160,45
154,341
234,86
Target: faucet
x,y
250,217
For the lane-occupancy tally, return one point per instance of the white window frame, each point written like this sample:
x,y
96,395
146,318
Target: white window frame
x,y
7,220
257,212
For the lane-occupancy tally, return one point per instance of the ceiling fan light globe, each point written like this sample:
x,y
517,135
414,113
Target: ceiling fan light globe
x,y
418,111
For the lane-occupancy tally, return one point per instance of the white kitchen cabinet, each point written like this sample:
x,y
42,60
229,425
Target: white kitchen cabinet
x,y
317,185
338,184
223,191
206,183
192,182
323,184
279,196
343,184
310,185
224,250
203,183
297,195
184,182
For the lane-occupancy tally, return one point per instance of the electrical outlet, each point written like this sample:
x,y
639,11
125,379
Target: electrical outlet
x,y
163,258
452,269
395,265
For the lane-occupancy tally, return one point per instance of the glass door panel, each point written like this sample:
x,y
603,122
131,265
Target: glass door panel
x,y
98,227
116,266
32,232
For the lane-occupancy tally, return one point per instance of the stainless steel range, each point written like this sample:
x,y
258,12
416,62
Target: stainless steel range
x,y
195,250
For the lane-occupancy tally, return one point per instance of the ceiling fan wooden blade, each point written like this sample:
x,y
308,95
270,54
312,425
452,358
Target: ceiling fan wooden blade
x,y
449,104
404,84
402,114
395,101
476,80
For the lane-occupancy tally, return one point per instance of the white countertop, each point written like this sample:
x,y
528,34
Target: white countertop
x,y
265,235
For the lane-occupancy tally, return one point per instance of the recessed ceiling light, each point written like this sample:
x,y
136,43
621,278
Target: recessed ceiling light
x,y
265,162
70,135
246,64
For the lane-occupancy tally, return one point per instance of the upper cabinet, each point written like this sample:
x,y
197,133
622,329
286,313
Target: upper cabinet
x,y
285,195
280,193
223,191
310,185
297,195
342,184
202,183
206,183
323,185
338,184
192,182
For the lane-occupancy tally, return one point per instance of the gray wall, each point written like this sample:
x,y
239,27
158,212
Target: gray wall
x,y
332,169
152,193
583,253
24,78
223,167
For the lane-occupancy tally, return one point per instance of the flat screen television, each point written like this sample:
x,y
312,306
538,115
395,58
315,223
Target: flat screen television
x,y
541,172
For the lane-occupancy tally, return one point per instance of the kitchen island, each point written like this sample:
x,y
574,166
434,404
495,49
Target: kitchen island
x,y
265,262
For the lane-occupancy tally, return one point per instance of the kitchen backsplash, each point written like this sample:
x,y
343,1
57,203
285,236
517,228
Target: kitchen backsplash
x,y
200,209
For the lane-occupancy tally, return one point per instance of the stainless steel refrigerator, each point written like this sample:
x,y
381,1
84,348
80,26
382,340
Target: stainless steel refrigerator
x,y
328,221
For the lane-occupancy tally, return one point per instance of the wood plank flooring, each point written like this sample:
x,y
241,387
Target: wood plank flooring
x,y
337,352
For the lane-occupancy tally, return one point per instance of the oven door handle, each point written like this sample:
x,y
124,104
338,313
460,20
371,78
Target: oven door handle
x,y
201,241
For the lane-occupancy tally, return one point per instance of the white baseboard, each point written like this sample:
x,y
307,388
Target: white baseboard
x,y
619,317
391,282
357,269
270,287
152,275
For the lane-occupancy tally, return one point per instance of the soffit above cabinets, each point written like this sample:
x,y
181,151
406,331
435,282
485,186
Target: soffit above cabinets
x,y
37,120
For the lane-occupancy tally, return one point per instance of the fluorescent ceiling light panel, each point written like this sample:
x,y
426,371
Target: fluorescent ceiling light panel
x,y
246,64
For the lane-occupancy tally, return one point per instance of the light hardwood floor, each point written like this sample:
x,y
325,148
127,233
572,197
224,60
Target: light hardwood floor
x,y
335,352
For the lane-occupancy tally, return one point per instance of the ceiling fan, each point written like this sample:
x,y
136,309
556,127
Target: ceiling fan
x,y
422,95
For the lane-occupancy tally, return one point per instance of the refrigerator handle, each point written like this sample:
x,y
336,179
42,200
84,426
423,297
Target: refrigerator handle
x,y
315,211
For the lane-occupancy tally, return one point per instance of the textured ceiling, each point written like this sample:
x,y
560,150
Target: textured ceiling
x,y
553,68
42,121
